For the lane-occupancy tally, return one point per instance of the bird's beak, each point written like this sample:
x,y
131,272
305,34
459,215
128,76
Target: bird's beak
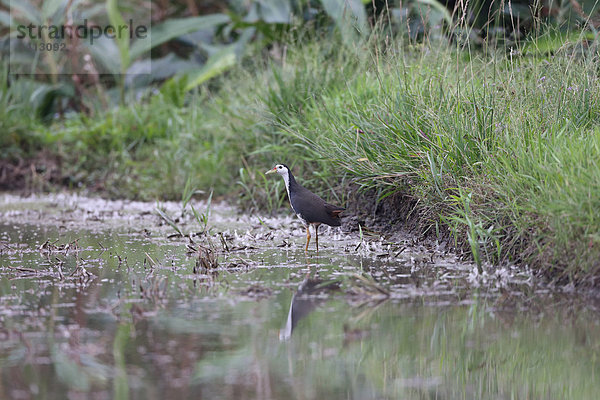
x,y
271,171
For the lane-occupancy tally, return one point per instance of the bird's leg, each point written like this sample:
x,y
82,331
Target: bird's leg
x,y
307,237
317,237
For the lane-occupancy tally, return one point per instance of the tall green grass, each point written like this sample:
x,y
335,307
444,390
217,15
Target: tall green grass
x,y
499,146
18,130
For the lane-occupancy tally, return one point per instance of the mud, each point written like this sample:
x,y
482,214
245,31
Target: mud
x,y
116,299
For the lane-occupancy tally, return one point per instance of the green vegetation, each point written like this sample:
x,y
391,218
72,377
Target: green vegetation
x,y
498,144
505,150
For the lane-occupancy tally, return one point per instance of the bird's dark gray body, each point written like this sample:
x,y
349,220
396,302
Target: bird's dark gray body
x,y
311,208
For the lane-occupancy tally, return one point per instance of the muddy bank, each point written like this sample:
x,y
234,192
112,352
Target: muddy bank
x,y
384,237
399,216
102,297
31,174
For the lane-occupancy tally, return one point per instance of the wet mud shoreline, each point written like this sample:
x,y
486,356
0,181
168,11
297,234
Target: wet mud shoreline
x,y
99,294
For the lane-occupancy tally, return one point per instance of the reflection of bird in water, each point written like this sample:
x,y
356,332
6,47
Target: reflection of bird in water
x,y
304,301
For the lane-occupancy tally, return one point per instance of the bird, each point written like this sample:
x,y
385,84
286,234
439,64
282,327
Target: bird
x,y
309,207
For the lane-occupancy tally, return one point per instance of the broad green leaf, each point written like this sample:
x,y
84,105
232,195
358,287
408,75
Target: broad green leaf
x,y
116,20
216,64
23,8
145,71
5,19
43,98
347,11
173,28
106,53
89,12
350,18
439,7
252,16
49,8
275,11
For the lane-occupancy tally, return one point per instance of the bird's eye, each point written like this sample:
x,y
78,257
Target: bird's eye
x,y
280,167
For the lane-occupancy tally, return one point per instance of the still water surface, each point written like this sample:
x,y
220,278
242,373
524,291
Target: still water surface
x,y
96,301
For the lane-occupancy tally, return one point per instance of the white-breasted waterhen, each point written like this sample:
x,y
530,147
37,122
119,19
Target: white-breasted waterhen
x,y
309,207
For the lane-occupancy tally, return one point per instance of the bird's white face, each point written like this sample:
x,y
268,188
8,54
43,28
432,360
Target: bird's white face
x,y
280,169
283,171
